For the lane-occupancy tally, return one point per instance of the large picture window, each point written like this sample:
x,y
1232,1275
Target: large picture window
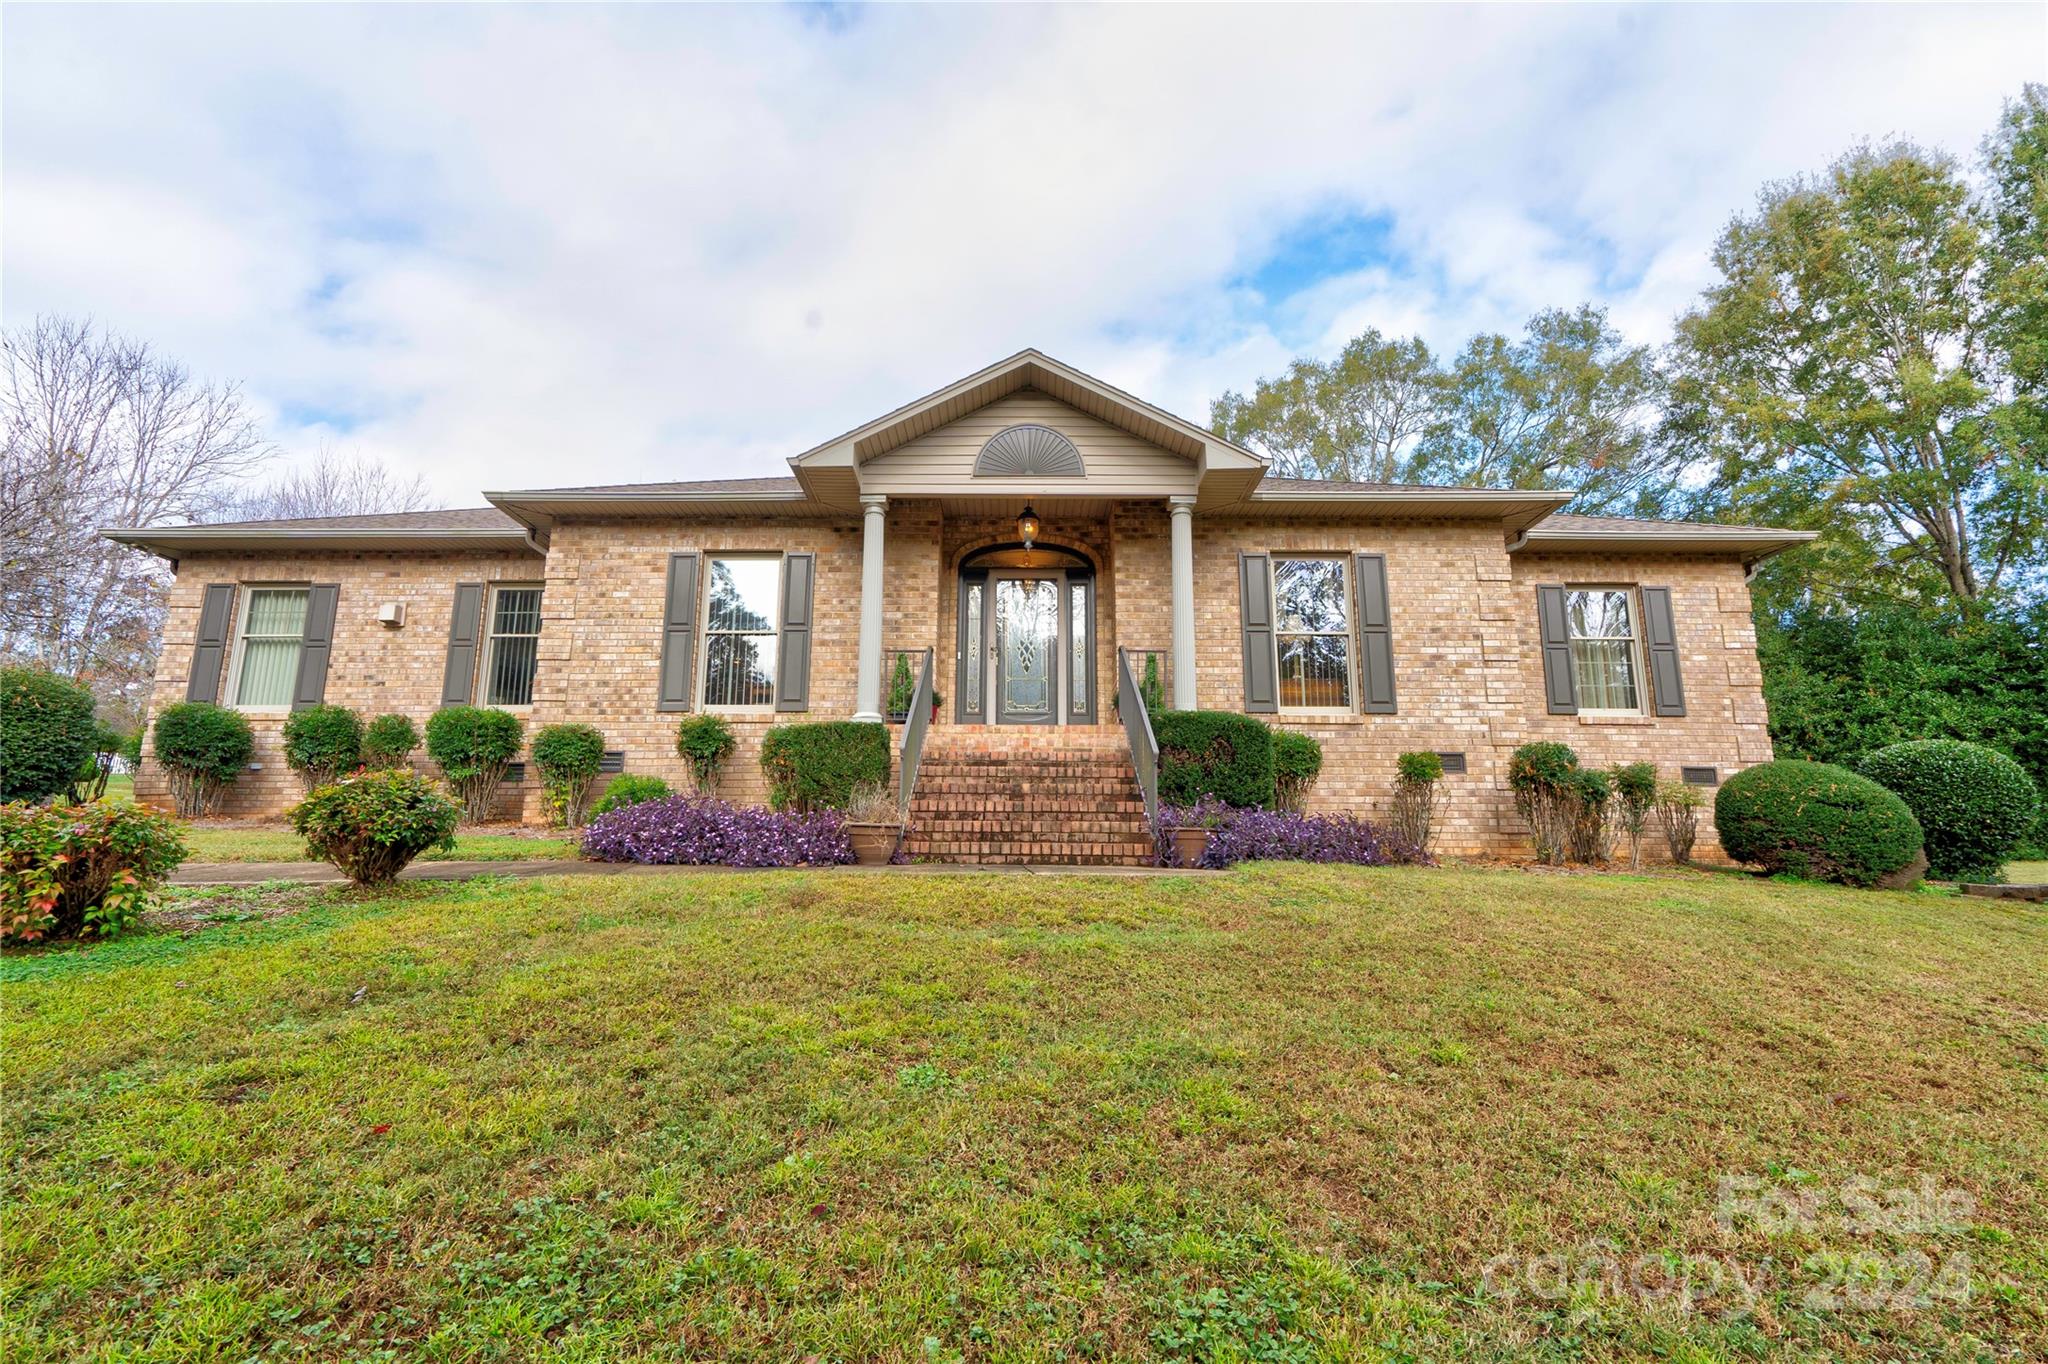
x,y
514,646
1312,627
1603,638
739,631
273,627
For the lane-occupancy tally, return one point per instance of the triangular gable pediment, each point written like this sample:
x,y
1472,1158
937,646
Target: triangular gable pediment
x,y
1031,369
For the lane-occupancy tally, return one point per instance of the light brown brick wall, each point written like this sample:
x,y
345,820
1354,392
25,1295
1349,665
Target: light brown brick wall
x,y
1469,672
373,668
1468,669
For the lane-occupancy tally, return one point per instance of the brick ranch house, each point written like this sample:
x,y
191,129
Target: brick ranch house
x,y
1378,618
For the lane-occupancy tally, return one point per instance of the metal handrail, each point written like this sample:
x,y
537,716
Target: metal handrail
x,y
1130,708
914,726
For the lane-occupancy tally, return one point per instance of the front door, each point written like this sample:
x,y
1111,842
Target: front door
x,y
1027,649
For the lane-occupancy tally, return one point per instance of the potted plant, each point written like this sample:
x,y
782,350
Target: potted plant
x,y
901,688
1190,830
873,824
938,699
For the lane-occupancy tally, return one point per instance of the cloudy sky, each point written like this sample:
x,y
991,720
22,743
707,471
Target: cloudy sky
x,y
523,247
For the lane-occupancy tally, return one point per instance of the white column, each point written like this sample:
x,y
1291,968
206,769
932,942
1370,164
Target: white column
x,y
1182,511
867,692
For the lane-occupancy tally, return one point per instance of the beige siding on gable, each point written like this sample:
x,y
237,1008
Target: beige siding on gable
x,y
942,461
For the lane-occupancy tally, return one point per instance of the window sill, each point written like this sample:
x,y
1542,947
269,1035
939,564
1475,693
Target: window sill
x,y
1614,717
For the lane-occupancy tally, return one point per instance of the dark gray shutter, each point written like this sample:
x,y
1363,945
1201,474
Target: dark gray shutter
x,y
210,648
315,644
679,634
793,657
1255,614
1660,636
465,623
1560,684
1375,637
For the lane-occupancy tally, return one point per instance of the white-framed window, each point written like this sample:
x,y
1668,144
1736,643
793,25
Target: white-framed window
x,y
268,637
1606,651
741,592
1312,631
512,652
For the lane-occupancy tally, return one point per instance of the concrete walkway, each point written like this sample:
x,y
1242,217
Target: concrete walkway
x,y
321,874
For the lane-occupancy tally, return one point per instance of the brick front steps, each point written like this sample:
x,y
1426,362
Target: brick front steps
x,y
995,795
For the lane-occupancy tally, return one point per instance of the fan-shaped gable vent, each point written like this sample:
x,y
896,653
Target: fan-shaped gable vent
x,y
1029,450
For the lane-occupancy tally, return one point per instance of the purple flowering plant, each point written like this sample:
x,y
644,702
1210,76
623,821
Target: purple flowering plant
x,y
1256,835
702,831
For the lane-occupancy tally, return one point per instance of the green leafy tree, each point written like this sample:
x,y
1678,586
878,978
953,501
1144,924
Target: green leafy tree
x,y
1855,370
1358,417
1570,404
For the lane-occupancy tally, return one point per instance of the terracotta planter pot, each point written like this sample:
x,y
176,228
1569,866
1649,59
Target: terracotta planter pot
x,y
1189,843
873,844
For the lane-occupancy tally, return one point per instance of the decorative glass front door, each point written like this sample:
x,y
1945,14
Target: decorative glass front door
x,y
1027,650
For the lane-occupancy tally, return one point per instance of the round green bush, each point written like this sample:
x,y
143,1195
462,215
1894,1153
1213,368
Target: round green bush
x,y
374,824
1215,753
706,741
322,742
1297,762
630,790
46,733
473,745
389,741
569,758
1541,767
1973,803
1420,768
1815,820
202,747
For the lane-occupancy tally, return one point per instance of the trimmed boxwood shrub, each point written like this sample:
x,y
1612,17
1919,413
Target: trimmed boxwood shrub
x,y
630,790
46,733
568,757
1297,762
704,741
1973,803
1540,775
322,742
389,741
816,766
1214,753
1815,820
473,745
374,824
702,831
201,747
1413,812
69,871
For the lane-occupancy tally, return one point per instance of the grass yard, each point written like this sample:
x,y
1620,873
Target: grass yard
x,y
1278,1114
279,844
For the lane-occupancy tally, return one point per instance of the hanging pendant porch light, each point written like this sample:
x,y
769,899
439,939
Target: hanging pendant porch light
x,y
1027,526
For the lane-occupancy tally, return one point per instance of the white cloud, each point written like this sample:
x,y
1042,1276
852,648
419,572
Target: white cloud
x,y
531,246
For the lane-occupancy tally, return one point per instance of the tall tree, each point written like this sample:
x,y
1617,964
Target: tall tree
x,y
100,431
1850,372
1356,418
1571,404
329,484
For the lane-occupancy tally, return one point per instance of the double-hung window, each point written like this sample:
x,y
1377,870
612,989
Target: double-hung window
x,y
1312,631
1601,621
740,630
514,645
273,628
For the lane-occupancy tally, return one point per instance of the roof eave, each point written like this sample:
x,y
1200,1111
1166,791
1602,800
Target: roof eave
x,y
1752,544
171,542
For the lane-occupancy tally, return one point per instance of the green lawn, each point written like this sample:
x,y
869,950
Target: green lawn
x,y
213,844
1277,1114
2021,873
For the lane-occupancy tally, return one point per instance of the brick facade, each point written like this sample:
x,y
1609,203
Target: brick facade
x,y
1468,665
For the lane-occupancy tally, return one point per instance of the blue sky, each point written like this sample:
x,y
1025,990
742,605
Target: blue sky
x,y
522,246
